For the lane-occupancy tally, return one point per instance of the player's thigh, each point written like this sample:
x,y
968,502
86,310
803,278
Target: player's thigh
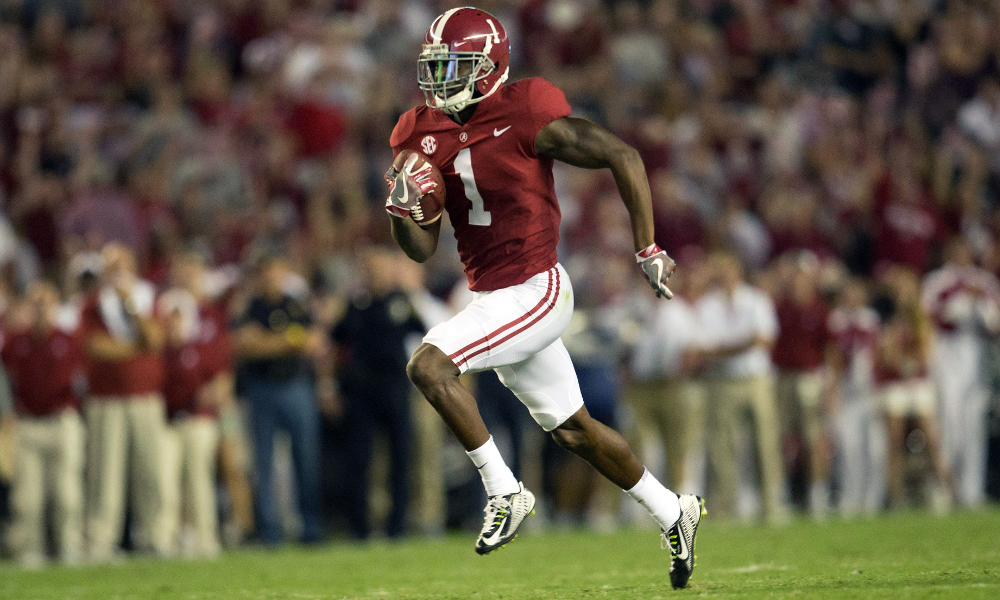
x,y
546,384
507,326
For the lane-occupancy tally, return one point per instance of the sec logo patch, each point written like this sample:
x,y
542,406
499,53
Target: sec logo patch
x,y
429,144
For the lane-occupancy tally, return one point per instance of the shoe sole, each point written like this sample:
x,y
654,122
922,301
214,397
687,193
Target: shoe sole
x,y
503,544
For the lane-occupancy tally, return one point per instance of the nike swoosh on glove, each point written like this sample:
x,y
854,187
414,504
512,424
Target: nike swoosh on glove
x,y
657,268
407,187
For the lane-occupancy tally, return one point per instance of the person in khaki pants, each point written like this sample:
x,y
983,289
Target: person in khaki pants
x,y
740,324
799,356
44,363
199,378
124,413
662,389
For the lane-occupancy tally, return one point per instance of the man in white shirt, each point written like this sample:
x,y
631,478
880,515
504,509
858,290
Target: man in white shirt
x,y
963,302
662,389
740,325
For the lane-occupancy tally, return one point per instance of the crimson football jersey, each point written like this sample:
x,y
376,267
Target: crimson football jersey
x,y
500,195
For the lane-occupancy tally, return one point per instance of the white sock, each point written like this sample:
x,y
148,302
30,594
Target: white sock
x,y
661,503
497,478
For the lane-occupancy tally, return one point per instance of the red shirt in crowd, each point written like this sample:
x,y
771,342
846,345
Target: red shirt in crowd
x,y
44,371
906,227
190,366
138,375
855,334
802,336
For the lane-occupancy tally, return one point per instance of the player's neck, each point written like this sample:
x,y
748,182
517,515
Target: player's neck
x,y
465,114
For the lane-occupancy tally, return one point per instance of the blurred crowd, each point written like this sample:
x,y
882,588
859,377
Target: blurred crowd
x,y
203,316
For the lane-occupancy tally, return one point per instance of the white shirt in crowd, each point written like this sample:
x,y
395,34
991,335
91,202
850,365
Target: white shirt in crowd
x,y
980,119
951,296
673,330
964,304
730,321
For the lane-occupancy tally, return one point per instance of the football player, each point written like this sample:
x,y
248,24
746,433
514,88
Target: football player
x,y
494,144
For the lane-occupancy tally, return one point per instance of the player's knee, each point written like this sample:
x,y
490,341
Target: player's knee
x,y
418,371
572,437
426,368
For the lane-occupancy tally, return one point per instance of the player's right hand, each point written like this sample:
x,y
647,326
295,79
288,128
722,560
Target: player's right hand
x,y
407,187
656,267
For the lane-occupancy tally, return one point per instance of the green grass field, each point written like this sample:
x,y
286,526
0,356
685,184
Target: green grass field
x,y
901,556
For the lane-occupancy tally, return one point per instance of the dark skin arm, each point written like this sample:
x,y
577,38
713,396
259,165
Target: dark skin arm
x,y
580,143
577,142
418,243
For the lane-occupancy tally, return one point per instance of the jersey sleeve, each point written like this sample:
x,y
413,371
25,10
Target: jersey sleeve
x,y
546,103
402,132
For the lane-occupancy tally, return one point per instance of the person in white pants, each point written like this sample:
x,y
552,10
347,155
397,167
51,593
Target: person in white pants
x,y
858,423
963,302
45,364
124,413
198,376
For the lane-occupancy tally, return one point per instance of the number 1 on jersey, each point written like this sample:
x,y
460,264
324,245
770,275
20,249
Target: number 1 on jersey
x,y
478,215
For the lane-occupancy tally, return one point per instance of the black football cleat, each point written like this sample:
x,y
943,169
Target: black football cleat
x,y
680,539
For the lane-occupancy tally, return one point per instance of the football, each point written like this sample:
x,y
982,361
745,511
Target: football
x,y
431,205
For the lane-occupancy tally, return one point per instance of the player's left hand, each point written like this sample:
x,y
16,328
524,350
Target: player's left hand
x,y
657,268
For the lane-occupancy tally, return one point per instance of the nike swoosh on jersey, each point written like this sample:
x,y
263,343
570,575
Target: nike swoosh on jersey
x,y
499,132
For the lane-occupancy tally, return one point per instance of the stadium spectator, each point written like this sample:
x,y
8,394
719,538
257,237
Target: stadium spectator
x,y
798,355
963,302
198,374
275,340
902,364
907,223
371,346
602,319
8,453
8,431
124,412
46,369
858,422
429,501
979,118
664,390
740,326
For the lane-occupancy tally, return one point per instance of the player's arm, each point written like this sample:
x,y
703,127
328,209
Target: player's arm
x,y
584,144
417,242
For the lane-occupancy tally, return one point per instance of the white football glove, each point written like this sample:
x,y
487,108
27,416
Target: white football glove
x,y
657,268
407,187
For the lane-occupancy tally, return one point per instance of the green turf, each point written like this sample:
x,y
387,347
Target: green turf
x,y
902,556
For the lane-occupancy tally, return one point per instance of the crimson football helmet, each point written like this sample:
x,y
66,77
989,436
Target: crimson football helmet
x,y
465,49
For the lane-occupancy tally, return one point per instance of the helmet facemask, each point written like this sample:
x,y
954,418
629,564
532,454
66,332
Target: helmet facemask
x,y
448,79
